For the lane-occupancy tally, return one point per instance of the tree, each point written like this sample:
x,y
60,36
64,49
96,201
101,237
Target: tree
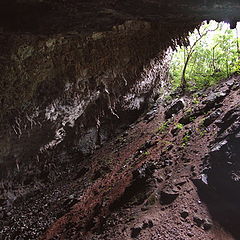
x,y
190,50
211,55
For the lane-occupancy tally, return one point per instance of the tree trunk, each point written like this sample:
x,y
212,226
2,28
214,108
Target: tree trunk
x,y
183,79
238,49
189,55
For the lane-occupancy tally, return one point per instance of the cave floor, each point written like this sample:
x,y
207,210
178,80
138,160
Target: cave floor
x,y
139,185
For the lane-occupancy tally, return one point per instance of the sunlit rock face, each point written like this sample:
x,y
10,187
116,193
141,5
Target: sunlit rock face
x,y
73,71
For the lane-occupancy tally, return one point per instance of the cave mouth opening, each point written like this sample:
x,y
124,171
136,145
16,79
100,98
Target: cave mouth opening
x,y
212,54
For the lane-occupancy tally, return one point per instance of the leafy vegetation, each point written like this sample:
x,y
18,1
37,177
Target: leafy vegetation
x,y
195,100
213,54
186,138
201,131
179,126
163,127
146,153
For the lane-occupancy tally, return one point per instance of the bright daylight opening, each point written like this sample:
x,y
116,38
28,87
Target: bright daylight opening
x,y
212,54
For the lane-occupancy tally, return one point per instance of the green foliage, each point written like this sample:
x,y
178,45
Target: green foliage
x,y
201,122
237,67
146,153
202,132
163,127
195,100
192,118
166,143
168,98
186,138
179,126
214,57
189,111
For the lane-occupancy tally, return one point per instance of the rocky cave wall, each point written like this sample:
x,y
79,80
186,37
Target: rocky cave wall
x,y
75,89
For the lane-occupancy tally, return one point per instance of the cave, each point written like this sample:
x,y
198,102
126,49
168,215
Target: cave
x,y
82,93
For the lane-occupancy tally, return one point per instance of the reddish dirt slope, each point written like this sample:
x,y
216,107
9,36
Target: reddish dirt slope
x,y
149,183
145,182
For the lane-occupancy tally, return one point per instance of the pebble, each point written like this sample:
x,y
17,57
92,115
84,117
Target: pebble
x,y
190,234
198,221
135,232
184,214
207,225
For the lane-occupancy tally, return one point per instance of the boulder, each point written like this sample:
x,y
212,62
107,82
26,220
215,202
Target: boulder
x,y
168,195
174,108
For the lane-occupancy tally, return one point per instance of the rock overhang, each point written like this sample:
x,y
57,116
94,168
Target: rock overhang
x,y
55,16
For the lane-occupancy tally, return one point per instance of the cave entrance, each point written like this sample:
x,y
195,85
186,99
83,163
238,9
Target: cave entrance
x,y
212,54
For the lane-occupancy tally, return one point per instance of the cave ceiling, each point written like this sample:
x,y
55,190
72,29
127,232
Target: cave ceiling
x,y
54,16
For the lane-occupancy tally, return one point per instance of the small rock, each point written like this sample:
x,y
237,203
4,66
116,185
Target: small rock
x,y
212,117
9,214
150,115
135,232
174,108
168,196
184,214
150,223
235,86
230,83
214,98
190,234
198,221
145,225
207,225
71,196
